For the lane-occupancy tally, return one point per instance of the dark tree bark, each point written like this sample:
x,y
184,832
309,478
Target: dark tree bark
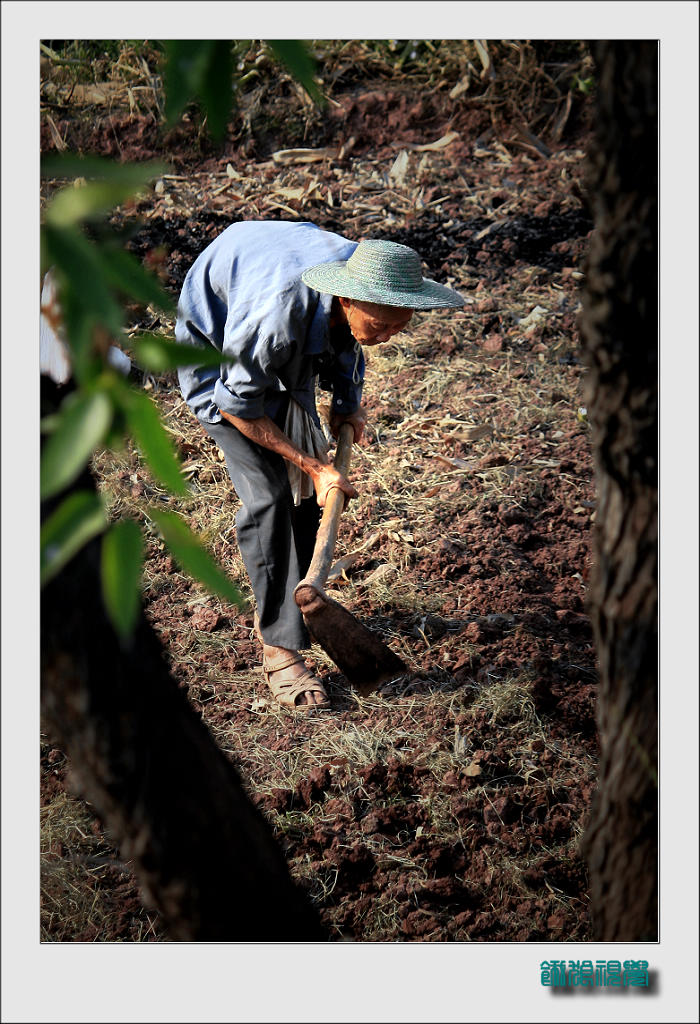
x,y
620,329
204,855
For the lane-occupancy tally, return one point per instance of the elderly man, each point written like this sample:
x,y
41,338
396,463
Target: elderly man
x,y
288,304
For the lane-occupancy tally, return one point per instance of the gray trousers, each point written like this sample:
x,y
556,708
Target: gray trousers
x,y
276,538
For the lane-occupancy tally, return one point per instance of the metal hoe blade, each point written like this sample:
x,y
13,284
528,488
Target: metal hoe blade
x,y
362,657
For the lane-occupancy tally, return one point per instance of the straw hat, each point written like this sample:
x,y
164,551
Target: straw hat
x,y
383,272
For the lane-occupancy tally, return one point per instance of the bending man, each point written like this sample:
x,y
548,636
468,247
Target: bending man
x,y
289,305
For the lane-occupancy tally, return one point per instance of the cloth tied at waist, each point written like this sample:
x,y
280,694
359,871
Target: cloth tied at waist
x,y
303,432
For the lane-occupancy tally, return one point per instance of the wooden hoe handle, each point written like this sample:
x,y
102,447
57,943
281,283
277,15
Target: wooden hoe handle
x,y
330,520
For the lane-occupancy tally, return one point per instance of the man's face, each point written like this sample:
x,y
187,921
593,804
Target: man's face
x,y
371,324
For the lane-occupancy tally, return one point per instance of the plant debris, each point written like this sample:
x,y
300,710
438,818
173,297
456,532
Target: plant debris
x,y
449,806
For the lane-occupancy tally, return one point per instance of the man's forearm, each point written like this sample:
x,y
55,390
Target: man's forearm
x,y
265,432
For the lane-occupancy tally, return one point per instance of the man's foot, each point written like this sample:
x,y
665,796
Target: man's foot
x,y
291,682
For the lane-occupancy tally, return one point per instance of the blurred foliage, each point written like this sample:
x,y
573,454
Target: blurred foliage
x,y
300,63
122,558
211,71
78,519
95,276
94,279
199,70
195,75
237,85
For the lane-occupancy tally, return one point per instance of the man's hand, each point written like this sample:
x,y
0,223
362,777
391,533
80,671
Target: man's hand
x,y
326,477
357,418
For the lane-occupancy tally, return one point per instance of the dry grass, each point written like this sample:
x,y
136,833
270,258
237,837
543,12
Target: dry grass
x,y
448,431
83,884
410,493
531,80
402,728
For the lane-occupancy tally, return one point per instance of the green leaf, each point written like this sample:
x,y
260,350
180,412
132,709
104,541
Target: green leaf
x,y
82,422
217,88
143,420
69,165
122,560
94,199
158,354
79,267
81,328
192,556
295,55
76,521
124,272
185,62
104,185
197,69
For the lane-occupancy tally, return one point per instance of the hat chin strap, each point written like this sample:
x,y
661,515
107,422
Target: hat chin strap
x,y
356,378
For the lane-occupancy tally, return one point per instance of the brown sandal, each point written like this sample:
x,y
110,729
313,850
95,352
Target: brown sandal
x,y
286,691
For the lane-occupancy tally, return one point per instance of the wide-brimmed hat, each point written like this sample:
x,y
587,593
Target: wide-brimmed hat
x,y
383,272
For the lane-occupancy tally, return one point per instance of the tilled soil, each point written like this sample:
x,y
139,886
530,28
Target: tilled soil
x,y
475,768
450,805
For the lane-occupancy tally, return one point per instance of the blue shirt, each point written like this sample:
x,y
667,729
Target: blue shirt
x,y
245,296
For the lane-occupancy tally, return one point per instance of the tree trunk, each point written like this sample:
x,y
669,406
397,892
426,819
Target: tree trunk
x,y
620,339
173,802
